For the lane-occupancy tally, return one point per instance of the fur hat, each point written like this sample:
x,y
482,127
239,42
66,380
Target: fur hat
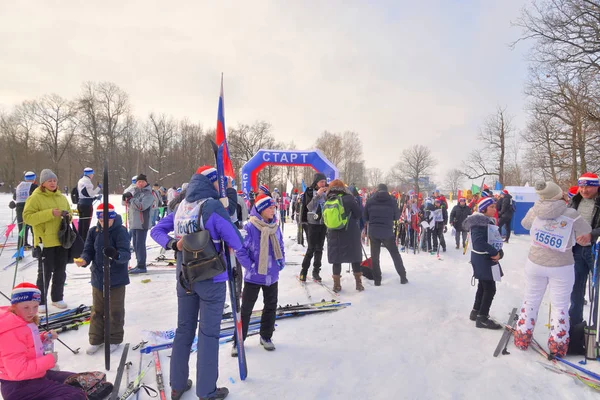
x,y
548,191
25,292
263,202
209,172
484,203
47,175
588,179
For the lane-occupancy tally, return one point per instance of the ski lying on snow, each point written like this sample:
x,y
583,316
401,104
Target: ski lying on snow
x,y
303,284
512,321
115,393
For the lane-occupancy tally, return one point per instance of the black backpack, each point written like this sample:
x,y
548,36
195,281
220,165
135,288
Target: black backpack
x,y
75,195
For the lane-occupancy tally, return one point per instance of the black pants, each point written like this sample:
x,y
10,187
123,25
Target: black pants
x,y
484,297
337,268
316,239
267,319
437,234
390,245
505,221
55,265
24,241
85,218
457,236
426,240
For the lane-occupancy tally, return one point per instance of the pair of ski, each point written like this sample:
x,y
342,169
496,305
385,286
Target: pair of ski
x,y
134,386
304,284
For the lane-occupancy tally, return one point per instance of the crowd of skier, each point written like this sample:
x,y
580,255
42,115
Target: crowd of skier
x,y
194,221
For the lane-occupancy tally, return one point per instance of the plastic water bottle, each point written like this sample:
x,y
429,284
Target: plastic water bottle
x,y
48,345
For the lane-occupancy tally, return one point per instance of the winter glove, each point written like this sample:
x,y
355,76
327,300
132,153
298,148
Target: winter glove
x,y
99,197
445,229
12,205
110,252
281,264
100,186
127,196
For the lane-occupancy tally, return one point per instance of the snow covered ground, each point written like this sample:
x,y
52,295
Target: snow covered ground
x,y
411,341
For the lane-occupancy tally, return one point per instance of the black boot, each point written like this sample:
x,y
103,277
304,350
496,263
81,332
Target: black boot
x,y
484,321
316,275
176,394
473,315
403,280
302,275
220,394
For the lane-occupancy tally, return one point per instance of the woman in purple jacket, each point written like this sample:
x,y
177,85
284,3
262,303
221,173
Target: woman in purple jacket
x,y
199,210
262,256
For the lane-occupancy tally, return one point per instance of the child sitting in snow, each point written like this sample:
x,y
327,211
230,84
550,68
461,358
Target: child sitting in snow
x,y
118,251
263,257
25,371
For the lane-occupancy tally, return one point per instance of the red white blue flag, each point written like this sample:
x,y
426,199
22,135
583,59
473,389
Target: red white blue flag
x,y
221,136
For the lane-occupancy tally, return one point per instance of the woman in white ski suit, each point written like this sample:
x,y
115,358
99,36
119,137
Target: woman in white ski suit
x,y
553,229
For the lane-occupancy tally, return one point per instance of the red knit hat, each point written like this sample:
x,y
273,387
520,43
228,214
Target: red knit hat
x,y
111,211
25,292
209,172
573,190
263,202
588,179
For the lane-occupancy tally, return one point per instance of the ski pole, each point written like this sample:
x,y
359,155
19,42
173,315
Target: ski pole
x,y
60,341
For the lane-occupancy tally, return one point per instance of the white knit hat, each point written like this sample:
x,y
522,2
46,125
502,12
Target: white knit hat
x,y
548,191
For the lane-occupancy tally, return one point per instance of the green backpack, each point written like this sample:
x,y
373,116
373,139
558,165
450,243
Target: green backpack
x,y
334,215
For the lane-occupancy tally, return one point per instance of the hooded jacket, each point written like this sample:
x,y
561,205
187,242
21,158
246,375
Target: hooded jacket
x,y
481,250
381,211
92,254
343,245
21,349
38,214
214,217
548,210
249,255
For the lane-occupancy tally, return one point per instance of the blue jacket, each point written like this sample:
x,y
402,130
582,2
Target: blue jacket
x,y
250,254
92,254
214,216
481,250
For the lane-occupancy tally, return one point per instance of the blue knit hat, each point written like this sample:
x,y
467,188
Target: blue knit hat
x,y
30,176
484,203
265,189
88,171
25,292
263,202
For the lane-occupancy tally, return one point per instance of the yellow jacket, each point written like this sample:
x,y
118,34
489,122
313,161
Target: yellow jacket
x,y
38,214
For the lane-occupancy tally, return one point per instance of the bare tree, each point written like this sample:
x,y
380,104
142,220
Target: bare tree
x,y
332,146
375,176
160,131
565,31
495,134
454,179
54,115
416,162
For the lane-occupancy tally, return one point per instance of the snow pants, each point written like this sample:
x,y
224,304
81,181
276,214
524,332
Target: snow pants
x,y
117,316
537,278
205,304
584,264
486,290
55,270
267,319
50,387
437,233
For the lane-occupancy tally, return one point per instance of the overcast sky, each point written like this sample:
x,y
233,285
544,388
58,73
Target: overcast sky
x,y
397,72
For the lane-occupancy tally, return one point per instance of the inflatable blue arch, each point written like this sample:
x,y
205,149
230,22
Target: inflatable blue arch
x,y
312,158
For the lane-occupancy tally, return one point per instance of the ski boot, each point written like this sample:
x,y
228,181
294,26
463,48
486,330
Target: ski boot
x,y
484,321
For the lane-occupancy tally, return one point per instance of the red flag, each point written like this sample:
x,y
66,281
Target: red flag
x,y
9,229
221,136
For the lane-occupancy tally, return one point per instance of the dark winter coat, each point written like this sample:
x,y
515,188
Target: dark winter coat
x,y
458,215
574,203
380,213
481,250
343,246
505,209
92,254
308,196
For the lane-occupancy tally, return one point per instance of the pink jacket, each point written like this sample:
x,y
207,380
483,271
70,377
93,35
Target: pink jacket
x,y
21,349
